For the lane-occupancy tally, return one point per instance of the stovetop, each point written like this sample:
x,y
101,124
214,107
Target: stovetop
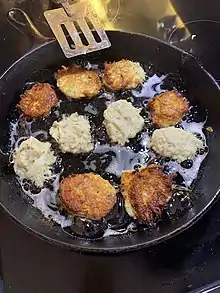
x,y
183,264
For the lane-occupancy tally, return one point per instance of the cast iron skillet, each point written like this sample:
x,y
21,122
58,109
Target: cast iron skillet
x,y
165,58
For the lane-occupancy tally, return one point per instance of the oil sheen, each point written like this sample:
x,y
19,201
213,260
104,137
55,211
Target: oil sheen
x,y
107,160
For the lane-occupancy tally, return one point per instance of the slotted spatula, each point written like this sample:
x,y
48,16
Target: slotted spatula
x,y
77,28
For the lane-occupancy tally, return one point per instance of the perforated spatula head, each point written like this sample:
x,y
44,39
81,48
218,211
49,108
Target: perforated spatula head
x,y
77,28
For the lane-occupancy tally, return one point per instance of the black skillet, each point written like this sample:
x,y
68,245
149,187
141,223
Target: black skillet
x,y
198,84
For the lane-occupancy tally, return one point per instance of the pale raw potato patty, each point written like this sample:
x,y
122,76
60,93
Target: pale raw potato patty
x,y
175,143
72,134
122,121
33,160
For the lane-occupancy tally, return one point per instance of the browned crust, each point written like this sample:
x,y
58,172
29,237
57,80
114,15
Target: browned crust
x,y
38,101
119,75
81,82
147,190
88,195
168,108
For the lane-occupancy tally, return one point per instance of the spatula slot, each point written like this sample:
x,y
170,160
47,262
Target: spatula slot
x,y
81,34
93,30
66,33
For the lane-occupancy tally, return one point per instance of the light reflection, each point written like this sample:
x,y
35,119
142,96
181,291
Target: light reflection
x,y
107,11
153,17
141,16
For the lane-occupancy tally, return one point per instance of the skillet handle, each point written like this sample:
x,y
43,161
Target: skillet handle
x,y
22,22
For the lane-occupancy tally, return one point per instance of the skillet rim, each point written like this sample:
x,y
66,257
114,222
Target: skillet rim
x,y
128,248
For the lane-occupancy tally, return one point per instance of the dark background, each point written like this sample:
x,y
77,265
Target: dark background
x,y
191,260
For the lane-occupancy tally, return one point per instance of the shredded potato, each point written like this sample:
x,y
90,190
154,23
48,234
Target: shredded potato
x,y
122,121
175,143
72,134
33,160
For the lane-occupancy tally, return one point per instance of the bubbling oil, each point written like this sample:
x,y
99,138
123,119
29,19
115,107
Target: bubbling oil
x,y
106,159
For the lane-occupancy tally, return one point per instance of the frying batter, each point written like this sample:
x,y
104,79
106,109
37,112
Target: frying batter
x,y
146,191
122,121
33,160
175,143
88,195
72,134
124,74
38,101
168,108
77,82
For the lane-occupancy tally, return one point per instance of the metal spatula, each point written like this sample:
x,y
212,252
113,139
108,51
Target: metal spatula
x,y
77,28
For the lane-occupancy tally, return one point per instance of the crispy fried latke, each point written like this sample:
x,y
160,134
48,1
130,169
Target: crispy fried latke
x,y
87,194
38,101
77,82
168,108
124,74
146,191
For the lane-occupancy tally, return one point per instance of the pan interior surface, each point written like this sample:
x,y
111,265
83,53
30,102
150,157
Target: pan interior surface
x,y
158,58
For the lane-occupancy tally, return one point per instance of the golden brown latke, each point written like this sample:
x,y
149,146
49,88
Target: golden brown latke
x,y
124,74
77,82
88,195
168,108
146,191
38,101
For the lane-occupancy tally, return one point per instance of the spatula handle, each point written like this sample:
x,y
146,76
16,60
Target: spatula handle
x,y
66,6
